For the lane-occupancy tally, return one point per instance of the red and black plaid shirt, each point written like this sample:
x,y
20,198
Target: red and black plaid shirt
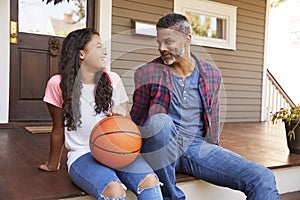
x,y
153,93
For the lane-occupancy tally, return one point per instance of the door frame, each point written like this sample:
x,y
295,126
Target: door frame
x,y
103,17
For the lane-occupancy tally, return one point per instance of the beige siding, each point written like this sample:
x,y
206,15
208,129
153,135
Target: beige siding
x,y
242,69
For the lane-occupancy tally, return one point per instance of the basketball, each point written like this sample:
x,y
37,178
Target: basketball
x,y
115,141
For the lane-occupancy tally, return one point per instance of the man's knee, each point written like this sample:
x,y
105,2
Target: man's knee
x,y
114,190
161,118
156,124
268,176
264,186
263,179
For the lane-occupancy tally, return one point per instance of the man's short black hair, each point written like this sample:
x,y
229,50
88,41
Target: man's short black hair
x,y
176,22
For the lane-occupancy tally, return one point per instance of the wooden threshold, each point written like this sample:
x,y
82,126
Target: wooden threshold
x,y
23,124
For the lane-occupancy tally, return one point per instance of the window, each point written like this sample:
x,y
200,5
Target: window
x,y
37,17
144,28
213,24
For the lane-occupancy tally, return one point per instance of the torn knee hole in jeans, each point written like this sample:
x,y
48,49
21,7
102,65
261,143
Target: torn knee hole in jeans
x,y
139,191
108,197
157,183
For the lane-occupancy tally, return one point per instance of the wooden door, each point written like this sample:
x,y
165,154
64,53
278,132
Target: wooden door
x,y
32,63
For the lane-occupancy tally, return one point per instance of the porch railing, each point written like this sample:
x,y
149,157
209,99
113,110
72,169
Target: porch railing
x,y
276,97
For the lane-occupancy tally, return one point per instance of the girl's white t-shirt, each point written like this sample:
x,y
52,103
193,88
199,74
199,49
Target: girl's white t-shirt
x,y
77,142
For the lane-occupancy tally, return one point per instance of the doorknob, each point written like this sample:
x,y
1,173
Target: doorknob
x,y
13,32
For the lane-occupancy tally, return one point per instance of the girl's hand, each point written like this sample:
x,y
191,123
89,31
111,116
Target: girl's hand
x,y
117,110
46,167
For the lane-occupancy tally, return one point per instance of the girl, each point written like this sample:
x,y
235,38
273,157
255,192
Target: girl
x,y
89,93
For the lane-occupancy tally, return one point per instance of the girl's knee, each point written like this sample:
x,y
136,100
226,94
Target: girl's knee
x,y
114,190
149,188
149,181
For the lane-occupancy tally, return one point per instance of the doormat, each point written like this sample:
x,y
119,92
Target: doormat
x,y
39,129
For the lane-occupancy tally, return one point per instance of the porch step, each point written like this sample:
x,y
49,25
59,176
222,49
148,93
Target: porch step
x,y
24,152
288,184
286,196
290,196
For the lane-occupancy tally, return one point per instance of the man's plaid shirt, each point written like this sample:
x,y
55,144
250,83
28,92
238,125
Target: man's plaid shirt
x,y
153,93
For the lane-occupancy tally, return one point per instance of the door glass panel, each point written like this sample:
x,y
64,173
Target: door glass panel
x,y
37,17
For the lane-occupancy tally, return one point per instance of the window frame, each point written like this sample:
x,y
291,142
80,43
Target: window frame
x,y
219,10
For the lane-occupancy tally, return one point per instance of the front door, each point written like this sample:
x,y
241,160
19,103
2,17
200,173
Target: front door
x,y
35,50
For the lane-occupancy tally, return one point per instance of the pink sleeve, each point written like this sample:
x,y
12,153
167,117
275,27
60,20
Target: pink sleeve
x,y
53,93
119,94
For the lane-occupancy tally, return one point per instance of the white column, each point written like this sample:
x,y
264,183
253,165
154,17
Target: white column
x,y
103,20
4,60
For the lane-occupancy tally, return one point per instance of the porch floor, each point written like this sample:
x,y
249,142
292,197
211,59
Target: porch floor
x,y
21,152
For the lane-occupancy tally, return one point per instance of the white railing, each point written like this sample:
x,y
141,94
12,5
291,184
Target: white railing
x,y
276,97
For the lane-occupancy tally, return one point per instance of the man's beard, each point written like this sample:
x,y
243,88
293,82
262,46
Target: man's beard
x,y
174,55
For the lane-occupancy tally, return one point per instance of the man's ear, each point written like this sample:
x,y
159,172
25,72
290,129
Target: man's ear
x,y
81,54
189,39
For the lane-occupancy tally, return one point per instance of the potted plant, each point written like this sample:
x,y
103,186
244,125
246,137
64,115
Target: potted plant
x,y
291,118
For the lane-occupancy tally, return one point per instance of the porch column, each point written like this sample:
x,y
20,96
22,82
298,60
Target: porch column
x,y
4,60
103,20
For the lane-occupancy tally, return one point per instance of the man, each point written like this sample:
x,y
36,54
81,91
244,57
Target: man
x,y
176,105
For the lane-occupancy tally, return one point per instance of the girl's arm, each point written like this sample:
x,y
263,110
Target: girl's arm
x,y
56,141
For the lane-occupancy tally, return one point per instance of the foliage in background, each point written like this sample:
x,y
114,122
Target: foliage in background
x,y
80,13
288,115
55,1
198,28
275,3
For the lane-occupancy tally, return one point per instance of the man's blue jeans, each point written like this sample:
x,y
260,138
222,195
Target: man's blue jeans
x,y
93,178
168,152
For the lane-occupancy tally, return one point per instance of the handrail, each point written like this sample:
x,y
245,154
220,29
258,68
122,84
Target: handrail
x,y
277,98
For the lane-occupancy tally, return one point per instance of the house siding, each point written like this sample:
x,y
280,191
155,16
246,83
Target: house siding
x,y
242,69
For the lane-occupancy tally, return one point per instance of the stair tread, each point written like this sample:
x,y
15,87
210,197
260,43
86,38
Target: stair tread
x,y
290,196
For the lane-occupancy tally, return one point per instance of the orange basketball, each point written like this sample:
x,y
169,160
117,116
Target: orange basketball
x,y
115,141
